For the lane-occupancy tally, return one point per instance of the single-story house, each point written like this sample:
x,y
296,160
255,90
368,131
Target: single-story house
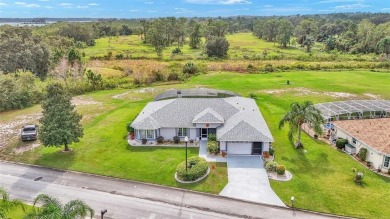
x,y
236,121
372,134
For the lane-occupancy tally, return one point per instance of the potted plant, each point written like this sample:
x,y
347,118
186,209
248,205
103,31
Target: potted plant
x,y
130,130
266,154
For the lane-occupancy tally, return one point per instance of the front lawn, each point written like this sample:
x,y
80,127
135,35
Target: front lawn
x,y
104,150
322,176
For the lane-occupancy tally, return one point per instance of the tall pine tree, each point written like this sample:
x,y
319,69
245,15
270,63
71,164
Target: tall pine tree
x,y
60,122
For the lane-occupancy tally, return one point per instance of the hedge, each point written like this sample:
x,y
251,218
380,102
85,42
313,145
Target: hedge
x,y
196,168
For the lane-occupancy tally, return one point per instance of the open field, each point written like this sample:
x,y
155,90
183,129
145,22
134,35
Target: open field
x,y
242,46
322,176
247,54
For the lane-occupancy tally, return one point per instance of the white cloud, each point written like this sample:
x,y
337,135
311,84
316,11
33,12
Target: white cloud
x,y
24,4
49,7
134,10
219,2
385,9
82,6
43,0
351,6
233,2
31,5
65,4
93,4
149,2
339,1
3,4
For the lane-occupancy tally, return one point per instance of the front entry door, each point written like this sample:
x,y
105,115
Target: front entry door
x,y
256,148
204,133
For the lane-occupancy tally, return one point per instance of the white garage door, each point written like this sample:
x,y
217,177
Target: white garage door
x,y
239,148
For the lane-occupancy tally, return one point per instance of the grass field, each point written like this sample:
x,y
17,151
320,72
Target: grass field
x,y
242,46
322,175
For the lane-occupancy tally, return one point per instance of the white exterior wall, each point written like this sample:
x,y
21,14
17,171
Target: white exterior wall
x,y
265,146
373,156
193,135
211,125
222,145
168,133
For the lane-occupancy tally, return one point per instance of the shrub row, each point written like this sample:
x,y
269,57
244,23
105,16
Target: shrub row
x,y
196,168
272,166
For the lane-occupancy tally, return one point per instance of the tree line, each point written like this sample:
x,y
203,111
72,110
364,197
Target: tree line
x,y
343,35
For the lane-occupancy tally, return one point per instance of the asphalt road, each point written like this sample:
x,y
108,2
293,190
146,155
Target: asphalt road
x,y
128,199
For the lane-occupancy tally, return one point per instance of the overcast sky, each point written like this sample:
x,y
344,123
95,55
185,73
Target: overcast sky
x,y
183,8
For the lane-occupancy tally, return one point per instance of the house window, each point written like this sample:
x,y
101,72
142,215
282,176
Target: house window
x,y
387,162
182,132
147,134
354,141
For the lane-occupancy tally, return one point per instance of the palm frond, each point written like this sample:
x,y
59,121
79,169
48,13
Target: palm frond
x,y
77,208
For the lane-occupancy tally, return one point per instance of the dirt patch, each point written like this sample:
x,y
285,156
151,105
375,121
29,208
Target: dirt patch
x,y
80,101
27,147
373,96
10,131
304,91
130,95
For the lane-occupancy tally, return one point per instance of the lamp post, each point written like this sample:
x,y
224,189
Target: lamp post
x,y
102,212
186,140
292,201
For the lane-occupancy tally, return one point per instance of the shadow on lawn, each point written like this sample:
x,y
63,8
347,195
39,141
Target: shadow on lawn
x,y
309,167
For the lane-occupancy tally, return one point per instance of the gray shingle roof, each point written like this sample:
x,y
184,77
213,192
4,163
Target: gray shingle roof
x,y
208,116
241,118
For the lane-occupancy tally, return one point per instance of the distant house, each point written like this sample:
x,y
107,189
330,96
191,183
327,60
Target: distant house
x,y
196,113
372,134
365,124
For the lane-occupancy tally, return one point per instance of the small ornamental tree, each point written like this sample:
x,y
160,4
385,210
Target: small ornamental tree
x,y
217,47
60,121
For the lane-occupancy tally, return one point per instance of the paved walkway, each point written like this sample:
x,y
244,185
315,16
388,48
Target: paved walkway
x,y
129,199
248,180
203,153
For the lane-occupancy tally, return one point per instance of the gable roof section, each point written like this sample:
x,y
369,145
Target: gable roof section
x,y
244,132
181,112
208,116
246,125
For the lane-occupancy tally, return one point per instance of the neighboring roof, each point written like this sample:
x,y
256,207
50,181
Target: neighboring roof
x,y
373,132
194,92
240,117
331,109
208,116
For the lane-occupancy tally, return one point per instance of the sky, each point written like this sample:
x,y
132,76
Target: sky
x,y
182,8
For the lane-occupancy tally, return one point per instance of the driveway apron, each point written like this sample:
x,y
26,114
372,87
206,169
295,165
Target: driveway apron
x,y
248,180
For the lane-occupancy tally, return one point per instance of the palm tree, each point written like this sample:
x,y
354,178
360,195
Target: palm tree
x,y
299,114
52,208
7,204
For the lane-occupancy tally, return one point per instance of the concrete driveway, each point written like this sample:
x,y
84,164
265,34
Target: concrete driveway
x,y
248,180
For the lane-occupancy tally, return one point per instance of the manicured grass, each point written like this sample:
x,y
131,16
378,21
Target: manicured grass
x,y
104,150
322,176
18,212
